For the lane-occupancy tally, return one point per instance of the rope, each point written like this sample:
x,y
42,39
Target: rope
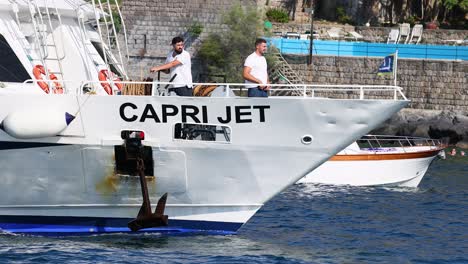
x,y
136,89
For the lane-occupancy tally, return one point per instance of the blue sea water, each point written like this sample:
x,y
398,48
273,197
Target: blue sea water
x,y
304,224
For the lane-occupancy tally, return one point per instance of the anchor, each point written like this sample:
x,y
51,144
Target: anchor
x,y
145,218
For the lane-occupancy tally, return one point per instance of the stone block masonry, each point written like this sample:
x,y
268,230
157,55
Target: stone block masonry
x,y
429,84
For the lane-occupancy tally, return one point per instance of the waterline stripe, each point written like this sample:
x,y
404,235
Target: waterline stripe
x,y
126,205
62,225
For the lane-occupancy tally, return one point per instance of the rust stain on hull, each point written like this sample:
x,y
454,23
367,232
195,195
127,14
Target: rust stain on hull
x,y
112,182
109,184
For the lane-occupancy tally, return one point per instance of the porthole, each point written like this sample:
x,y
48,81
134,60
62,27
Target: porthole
x,y
307,139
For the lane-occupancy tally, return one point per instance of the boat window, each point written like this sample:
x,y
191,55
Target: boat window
x,y
202,132
11,69
110,58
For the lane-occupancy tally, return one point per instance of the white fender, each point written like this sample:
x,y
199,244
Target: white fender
x,y
35,124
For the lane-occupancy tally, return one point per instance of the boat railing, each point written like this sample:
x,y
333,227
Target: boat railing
x,y
382,143
362,92
42,18
276,90
104,18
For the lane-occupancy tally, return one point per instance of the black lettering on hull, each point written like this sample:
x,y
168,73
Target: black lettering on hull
x,y
191,113
149,112
228,116
122,112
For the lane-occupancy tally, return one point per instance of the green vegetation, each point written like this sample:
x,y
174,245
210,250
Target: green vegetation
x,y
195,29
412,20
117,21
445,13
342,17
451,4
277,15
115,14
449,13
225,52
212,54
453,13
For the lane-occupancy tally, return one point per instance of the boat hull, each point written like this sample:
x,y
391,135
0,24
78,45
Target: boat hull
x,y
210,185
403,170
72,162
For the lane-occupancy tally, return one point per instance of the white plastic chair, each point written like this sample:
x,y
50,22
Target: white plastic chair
x,y
315,34
354,35
416,34
278,34
455,41
293,35
405,29
393,36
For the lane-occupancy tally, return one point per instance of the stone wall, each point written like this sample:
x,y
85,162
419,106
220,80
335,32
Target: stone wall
x,y
430,84
319,27
294,8
151,25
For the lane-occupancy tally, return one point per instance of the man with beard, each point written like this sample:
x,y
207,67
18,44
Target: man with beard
x,y
255,71
179,65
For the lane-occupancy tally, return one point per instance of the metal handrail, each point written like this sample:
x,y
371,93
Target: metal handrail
x,y
404,143
305,90
109,58
97,15
32,11
85,41
124,31
114,31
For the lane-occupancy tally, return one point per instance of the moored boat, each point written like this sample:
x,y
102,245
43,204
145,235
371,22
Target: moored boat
x,y
80,154
376,160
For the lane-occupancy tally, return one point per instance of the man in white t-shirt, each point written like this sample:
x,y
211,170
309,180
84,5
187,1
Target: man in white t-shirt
x,y
179,65
255,71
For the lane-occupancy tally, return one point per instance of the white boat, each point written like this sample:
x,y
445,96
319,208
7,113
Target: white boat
x,y
77,156
376,160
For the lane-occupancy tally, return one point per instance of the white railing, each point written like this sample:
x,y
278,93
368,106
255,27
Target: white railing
x,y
361,92
51,83
379,143
281,90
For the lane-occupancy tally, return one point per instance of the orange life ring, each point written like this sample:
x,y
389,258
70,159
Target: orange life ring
x,y
105,76
38,72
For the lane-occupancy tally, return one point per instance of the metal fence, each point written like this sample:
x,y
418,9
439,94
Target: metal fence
x,y
368,49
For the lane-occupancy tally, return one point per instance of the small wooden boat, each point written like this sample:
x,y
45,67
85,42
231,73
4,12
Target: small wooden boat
x,y
379,160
